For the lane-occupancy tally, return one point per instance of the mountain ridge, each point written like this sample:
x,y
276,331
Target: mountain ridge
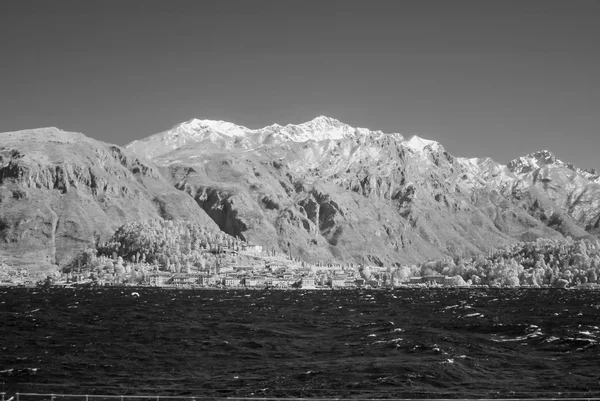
x,y
317,129
320,190
411,176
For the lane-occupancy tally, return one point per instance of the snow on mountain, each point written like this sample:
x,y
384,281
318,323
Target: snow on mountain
x,y
480,172
229,135
419,144
196,126
534,161
203,135
318,129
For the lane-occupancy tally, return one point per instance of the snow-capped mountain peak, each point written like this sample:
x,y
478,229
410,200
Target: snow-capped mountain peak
x,y
226,135
318,129
544,158
324,120
418,144
195,125
533,161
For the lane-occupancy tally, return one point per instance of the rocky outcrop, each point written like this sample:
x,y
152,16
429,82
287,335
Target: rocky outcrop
x,y
564,196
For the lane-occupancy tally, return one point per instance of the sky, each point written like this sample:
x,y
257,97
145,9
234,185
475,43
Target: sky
x,y
486,78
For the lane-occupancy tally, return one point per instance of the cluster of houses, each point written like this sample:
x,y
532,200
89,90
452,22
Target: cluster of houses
x,y
252,279
246,267
333,277
10,275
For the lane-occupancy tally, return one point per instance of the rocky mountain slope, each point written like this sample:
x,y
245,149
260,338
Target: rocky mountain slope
x,y
321,190
61,191
560,194
325,190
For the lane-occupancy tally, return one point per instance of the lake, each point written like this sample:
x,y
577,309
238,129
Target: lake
x,y
443,343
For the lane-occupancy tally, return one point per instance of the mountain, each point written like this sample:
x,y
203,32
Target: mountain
x,y
326,190
229,136
563,196
62,191
321,190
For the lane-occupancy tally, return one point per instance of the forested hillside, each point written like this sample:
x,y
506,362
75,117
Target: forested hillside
x,y
545,262
170,244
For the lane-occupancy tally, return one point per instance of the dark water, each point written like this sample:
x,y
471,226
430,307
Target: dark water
x,y
401,343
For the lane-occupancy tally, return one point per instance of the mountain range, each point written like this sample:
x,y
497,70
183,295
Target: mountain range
x,y
321,190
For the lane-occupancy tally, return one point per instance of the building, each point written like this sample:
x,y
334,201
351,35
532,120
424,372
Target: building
x,y
280,283
159,278
204,279
231,281
349,283
207,279
185,279
434,279
251,248
338,281
254,281
308,283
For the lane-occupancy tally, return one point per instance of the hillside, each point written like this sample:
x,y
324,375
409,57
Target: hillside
x,y
61,192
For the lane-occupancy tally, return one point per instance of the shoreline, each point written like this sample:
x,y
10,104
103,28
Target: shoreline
x,y
593,287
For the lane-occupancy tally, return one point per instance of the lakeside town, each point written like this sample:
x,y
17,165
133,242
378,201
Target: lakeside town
x,y
248,266
183,255
259,270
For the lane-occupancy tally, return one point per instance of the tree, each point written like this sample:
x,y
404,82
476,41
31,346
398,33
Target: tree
x,y
457,281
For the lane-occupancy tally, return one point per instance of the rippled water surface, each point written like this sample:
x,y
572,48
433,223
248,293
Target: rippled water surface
x,y
397,343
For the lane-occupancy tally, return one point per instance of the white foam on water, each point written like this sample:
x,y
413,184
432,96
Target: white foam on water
x,y
474,315
392,341
589,340
536,333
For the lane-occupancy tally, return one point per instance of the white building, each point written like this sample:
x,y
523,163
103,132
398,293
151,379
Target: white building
x,y
308,283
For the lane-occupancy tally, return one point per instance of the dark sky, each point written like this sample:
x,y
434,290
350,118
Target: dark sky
x,y
485,78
